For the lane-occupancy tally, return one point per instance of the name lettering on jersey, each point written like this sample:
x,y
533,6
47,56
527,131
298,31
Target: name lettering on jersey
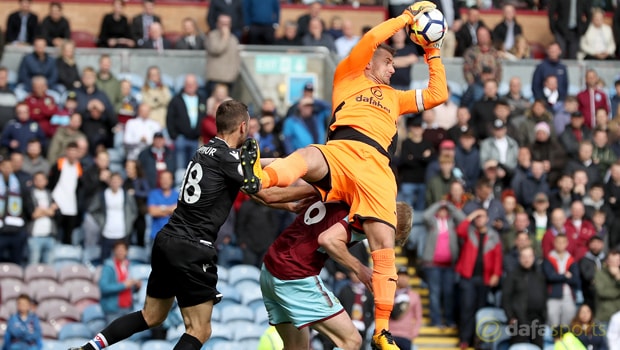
x,y
207,151
372,101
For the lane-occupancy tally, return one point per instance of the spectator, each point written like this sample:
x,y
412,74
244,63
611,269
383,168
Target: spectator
x,y
357,300
308,91
18,132
512,251
414,157
602,154
446,147
34,162
55,28
345,43
439,256
184,118
612,194
484,113
219,94
289,37
480,56
8,100
115,31
256,228
41,106
591,263
463,124
406,317
507,31
451,10
568,22
520,50
223,55
549,151
68,74
305,128
42,229
457,195
500,147
484,199
157,159
613,329
446,112
585,162
141,24
317,36
615,99
580,178
139,132
607,285
161,202
192,38
479,269
136,185
261,18
96,177
115,211
521,223
579,230
524,299
107,82
588,331
23,330
64,136
574,134
89,92
22,25
597,43
156,94
433,133
517,102
562,275
439,185
601,117
231,8
496,174
563,114
13,235
155,39
115,283
551,65
551,92
303,22
599,221
591,99
511,208
536,119
468,158
97,126
270,143
535,182
38,63
127,106
17,161
467,35
335,27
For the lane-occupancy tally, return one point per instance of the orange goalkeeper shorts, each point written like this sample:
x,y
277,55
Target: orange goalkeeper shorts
x,y
361,177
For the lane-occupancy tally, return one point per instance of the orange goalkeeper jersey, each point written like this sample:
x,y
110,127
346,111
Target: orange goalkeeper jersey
x,y
372,108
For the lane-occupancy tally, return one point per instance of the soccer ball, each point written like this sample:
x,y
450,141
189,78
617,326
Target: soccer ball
x,y
428,29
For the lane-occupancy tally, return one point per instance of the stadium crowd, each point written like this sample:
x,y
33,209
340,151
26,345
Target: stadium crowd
x,y
517,199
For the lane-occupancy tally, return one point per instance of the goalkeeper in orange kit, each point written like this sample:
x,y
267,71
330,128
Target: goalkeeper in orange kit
x,y
354,165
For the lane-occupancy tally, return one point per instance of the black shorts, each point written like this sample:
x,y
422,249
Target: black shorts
x,y
183,268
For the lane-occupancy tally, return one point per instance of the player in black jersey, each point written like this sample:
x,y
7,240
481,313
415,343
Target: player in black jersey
x,y
183,259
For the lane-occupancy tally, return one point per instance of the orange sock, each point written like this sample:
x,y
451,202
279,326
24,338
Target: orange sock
x,y
283,172
384,286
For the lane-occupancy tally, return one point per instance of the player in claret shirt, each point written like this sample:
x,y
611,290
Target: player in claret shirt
x,y
293,292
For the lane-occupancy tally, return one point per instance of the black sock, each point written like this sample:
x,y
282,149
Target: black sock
x,y
120,329
188,342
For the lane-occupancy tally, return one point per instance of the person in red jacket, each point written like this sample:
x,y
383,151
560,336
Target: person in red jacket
x,y
42,106
578,230
479,265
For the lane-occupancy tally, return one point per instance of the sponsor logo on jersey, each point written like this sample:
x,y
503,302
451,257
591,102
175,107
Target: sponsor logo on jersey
x,y
372,101
235,154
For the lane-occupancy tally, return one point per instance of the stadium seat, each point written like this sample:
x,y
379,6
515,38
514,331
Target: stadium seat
x,y
251,332
244,285
67,252
74,330
10,270
125,345
168,81
93,317
140,271
92,255
249,344
138,255
220,332
83,39
261,316
216,314
40,284
74,272
240,273
48,331
82,296
49,344
157,345
11,289
51,291
222,274
250,297
97,274
62,313
174,333
228,345
5,313
230,296
39,271
491,314
75,342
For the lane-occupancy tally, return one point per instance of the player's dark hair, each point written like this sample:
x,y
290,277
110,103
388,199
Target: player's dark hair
x,y
229,115
387,48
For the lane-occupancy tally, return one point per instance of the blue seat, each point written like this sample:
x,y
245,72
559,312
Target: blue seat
x,y
237,313
487,314
74,330
67,252
136,80
229,293
222,273
250,294
220,332
138,255
261,316
174,333
50,344
92,313
249,344
216,314
252,332
240,273
524,346
125,345
140,271
75,342
92,255
157,345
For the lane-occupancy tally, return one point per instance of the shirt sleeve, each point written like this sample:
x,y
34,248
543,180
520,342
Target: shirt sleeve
x,y
415,101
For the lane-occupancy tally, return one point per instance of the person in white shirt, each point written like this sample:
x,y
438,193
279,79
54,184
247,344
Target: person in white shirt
x,y
42,228
345,43
597,43
139,132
